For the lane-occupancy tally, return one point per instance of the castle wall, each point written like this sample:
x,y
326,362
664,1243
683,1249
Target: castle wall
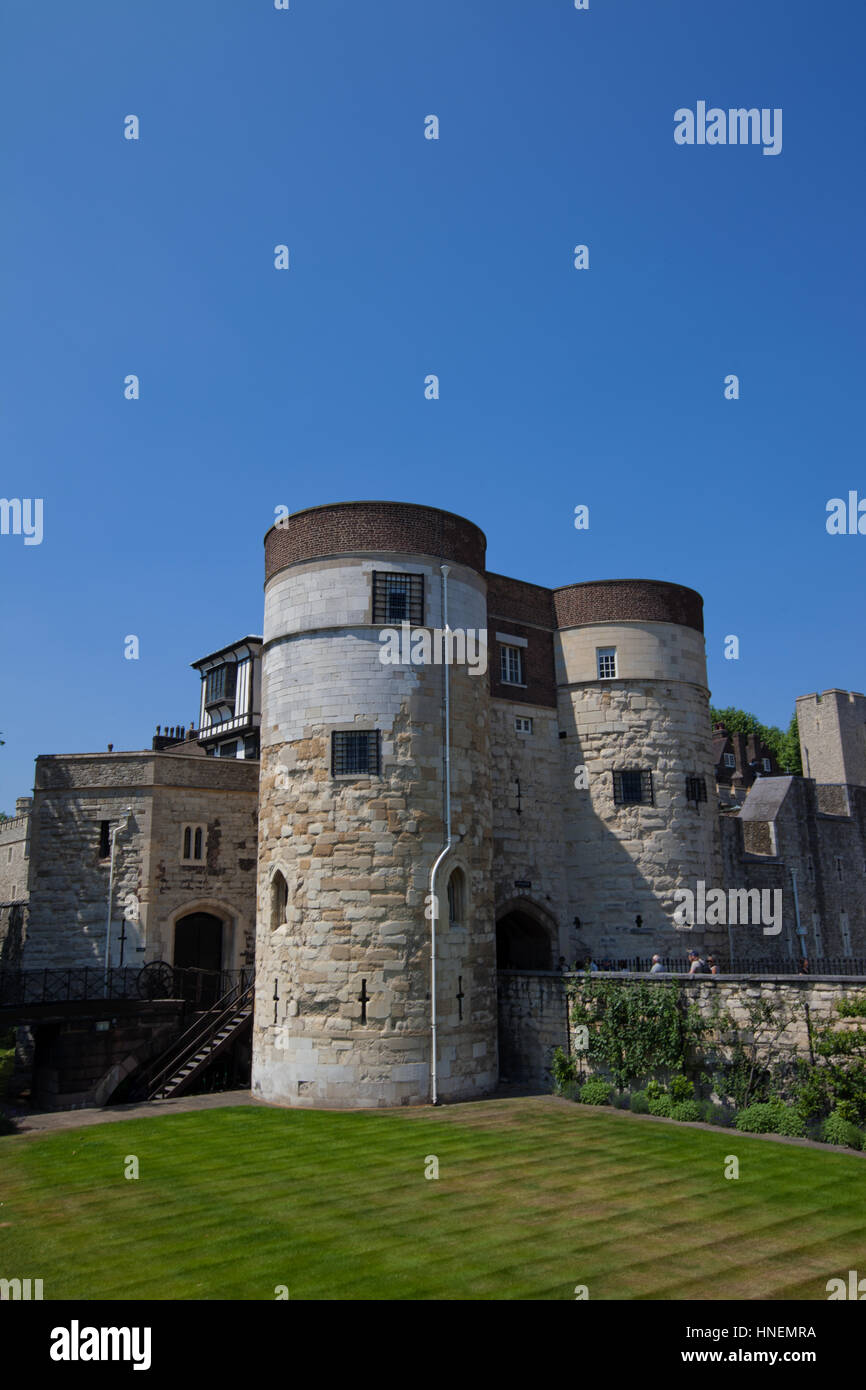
x,y
356,852
625,861
69,895
832,728
14,859
532,1013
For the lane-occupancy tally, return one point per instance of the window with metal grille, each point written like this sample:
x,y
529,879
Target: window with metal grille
x,y
511,665
104,839
606,663
730,760
633,786
696,789
354,752
220,683
398,598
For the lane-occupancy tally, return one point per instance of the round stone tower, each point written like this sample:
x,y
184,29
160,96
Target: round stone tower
x,y
634,705
352,810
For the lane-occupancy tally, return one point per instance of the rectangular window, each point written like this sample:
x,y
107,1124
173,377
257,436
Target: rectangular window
x,y
355,752
523,725
511,665
768,766
633,787
398,598
816,932
220,683
104,839
606,663
696,789
228,750
730,760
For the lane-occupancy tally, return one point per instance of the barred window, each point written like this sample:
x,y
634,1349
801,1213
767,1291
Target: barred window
x,y
354,752
633,786
696,789
511,665
606,663
398,598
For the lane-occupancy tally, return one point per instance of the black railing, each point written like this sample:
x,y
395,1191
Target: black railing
x,y
196,988
762,965
238,999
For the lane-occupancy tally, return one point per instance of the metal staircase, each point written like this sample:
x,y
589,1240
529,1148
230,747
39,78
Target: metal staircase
x,y
177,1068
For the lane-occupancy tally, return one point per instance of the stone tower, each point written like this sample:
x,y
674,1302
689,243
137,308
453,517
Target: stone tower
x,y
833,736
352,813
633,701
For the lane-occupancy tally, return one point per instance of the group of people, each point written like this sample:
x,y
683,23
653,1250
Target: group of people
x,y
697,965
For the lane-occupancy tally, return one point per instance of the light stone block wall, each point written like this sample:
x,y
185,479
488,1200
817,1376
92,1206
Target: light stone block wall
x,y
528,846
532,1013
70,881
356,854
624,861
832,729
14,859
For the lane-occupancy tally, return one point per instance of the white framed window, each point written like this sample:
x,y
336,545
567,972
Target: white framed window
x,y
768,766
192,844
522,724
511,665
730,760
606,663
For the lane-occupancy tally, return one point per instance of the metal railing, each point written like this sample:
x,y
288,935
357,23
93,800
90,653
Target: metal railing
x,y
762,965
158,980
237,999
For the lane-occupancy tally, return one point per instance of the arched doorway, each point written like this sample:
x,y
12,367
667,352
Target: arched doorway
x,y
522,943
198,942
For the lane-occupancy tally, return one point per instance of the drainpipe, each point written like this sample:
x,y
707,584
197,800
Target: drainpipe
x,y
797,912
114,834
434,905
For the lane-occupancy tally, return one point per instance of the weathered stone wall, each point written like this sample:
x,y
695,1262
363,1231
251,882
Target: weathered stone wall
x,y
832,728
532,1012
76,1066
70,878
14,859
356,853
13,934
625,861
532,1023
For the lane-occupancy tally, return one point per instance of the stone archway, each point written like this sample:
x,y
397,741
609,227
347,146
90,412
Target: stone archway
x,y
525,937
198,942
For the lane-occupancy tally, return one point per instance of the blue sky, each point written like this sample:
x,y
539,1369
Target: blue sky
x,y
261,388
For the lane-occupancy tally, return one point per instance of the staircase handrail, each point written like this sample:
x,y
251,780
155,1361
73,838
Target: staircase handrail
x,y
178,1051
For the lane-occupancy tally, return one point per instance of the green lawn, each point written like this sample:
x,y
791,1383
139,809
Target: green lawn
x,y
534,1197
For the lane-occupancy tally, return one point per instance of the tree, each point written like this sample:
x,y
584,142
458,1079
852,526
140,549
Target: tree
x,y
785,748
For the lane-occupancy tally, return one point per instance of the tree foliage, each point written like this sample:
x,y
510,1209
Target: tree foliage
x,y
785,747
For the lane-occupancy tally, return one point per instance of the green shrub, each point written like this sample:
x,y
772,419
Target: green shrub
x,y
791,1122
654,1089
760,1118
847,1110
622,1101
639,1103
852,1008
563,1069
569,1090
687,1111
662,1105
835,1130
595,1092
681,1088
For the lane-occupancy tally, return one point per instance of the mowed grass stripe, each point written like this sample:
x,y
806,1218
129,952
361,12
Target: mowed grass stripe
x,y
533,1197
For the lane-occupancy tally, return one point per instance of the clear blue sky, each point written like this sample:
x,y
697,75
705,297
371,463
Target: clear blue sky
x,y
409,257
